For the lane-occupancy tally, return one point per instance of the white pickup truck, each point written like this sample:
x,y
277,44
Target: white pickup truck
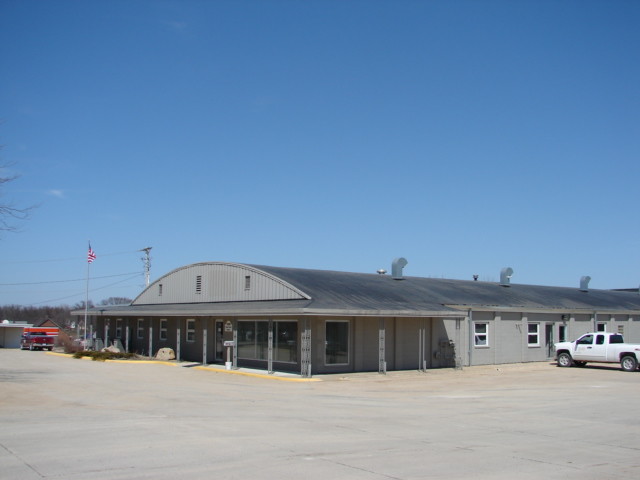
x,y
600,347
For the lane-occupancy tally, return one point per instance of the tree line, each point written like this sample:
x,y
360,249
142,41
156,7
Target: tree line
x,y
61,315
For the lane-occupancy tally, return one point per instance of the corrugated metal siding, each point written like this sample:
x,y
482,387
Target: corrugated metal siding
x,y
220,282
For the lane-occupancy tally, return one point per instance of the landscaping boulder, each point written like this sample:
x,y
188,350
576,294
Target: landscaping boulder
x,y
112,349
166,354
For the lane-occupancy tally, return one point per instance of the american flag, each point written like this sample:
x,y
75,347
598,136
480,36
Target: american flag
x,y
91,256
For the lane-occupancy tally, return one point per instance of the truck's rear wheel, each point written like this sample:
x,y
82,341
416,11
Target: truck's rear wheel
x,y
565,360
629,363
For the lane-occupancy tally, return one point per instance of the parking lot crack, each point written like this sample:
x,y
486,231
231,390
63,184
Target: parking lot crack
x,y
21,460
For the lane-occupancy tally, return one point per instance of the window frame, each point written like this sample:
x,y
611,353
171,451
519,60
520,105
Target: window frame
x,y
190,332
163,329
477,335
535,334
119,328
140,328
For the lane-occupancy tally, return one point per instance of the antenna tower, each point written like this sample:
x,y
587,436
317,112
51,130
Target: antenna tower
x,y
147,264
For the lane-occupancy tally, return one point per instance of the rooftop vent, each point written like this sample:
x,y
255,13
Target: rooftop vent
x,y
396,268
505,276
584,283
381,271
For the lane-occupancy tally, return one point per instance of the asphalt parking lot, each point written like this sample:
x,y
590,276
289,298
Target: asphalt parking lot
x,y
63,418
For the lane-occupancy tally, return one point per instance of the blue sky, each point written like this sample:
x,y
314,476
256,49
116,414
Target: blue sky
x,y
465,136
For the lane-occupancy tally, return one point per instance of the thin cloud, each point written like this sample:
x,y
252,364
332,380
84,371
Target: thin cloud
x,y
56,193
177,26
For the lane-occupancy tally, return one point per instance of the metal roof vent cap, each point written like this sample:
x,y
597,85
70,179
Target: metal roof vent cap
x,y
397,266
584,283
505,276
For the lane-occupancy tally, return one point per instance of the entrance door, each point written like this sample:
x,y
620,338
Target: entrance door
x,y
219,340
548,335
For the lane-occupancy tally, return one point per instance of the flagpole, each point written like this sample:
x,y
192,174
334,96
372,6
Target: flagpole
x,y
86,304
91,256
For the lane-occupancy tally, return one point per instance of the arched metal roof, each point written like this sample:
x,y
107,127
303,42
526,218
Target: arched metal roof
x,y
219,288
214,282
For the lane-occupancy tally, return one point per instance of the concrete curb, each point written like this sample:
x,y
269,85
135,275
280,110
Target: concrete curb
x,y
258,375
197,367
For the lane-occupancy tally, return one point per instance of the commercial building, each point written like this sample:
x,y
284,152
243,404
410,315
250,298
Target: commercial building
x,y
11,333
316,321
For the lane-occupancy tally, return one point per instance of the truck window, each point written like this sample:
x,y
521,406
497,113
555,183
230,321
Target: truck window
x,y
616,339
586,340
600,340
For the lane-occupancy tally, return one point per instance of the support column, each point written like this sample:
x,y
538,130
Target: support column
x,y
524,322
270,348
305,349
178,341
458,345
205,321
382,363
235,347
422,345
471,338
497,330
151,337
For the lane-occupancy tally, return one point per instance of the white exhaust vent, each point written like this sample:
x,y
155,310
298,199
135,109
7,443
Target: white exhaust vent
x,y
505,276
397,266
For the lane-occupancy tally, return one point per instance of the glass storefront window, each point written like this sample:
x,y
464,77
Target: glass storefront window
x,y
246,339
253,339
262,340
285,341
337,343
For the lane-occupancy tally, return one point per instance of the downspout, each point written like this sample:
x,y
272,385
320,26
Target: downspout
x,y
470,316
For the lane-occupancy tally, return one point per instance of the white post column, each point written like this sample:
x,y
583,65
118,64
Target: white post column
x,y
205,321
178,341
150,337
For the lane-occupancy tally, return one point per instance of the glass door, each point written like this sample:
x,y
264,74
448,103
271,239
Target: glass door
x,y
219,340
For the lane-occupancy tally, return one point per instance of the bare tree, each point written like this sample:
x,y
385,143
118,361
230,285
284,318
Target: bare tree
x,y
116,301
9,212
